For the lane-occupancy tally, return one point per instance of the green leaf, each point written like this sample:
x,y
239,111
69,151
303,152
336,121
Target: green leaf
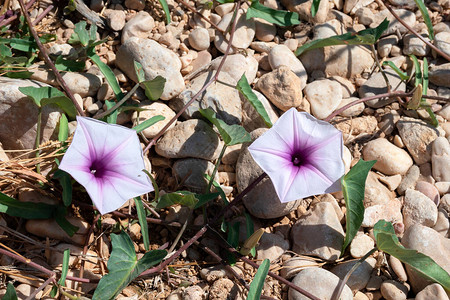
x,y
26,210
64,103
256,286
165,9
112,117
278,17
65,268
417,70
82,35
5,51
426,17
107,72
124,267
66,182
21,74
10,292
364,37
233,240
63,64
154,88
425,76
60,218
218,189
250,228
231,134
39,93
63,132
388,242
147,123
140,74
353,185
142,217
315,7
180,197
400,73
246,90
203,199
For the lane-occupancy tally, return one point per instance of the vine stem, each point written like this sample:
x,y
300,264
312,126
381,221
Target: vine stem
x,y
446,56
51,279
12,18
211,81
48,61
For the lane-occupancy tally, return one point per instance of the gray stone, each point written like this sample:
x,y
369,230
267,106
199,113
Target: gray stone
x,y
430,243
262,201
388,121
191,138
360,277
393,290
115,19
271,246
413,45
152,110
303,8
191,172
223,99
442,41
440,75
321,221
408,16
440,159
418,209
390,159
309,278
155,60
294,265
377,85
199,39
19,116
385,45
417,135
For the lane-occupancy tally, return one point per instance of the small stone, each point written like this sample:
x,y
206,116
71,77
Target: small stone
x,y
324,290
354,110
442,41
322,221
152,110
294,265
390,212
199,39
417,136
433,291
376,192
324,96
292,44
410,179
271,246
377,85
443,187
388,121
356,126
251,119
361,245
393,290
303,8
418,208
213,273
135,4
414,45
49,228
203,59
440,75
236,65
365,15
264,30
281,55
440,159
348,89
385,45
360,277
392,182
407,16
191,138
193,292
231,154
115,19
390,159
243,35
443,222
281,87
428,190
398,268
224,288
140,26
56,257
360,296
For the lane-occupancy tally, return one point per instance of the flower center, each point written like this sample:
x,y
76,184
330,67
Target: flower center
x,y
297,160
97,168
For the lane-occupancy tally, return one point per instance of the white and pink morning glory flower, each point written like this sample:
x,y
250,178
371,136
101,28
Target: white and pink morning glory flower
x,y
301,155
107,160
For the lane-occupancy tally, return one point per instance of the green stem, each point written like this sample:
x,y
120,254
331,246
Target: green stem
x,y
216,167
38,137
374,52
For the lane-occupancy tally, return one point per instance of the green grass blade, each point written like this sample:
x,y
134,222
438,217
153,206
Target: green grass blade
x,y
315,7
10,293
147,123
278,17
417,70
142,217
166,10
400,73
255,290
426,17
63,132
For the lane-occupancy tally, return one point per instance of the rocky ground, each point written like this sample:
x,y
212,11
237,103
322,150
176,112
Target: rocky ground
x,y
408,186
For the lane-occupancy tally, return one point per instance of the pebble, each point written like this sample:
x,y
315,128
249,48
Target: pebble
x,y
49,228
413,45
152,110
292,44
303,8
430,243
442,41
348,89
223,98
390,212
392,182
271,246
443,187
355,126
390,159
262,202
281,87
322,221
440,159
360,277
324,96
388,121
19,116
264,30
308,278
347,158
281,55
417,135
155,60
193,292
212,273
360,245
440,75
199,39
224,288
63,49
398,268
243,35
135,4
445,203
377,85
139,26
376,192
443,222
294,265
410,179
115,19
433,291
203,59
445,112
251,119
418,208
236,65
428,190
365,15
408,16
191,138
231,154
394,290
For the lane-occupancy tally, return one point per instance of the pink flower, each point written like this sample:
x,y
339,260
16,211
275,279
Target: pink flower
x,y
107,160
301,155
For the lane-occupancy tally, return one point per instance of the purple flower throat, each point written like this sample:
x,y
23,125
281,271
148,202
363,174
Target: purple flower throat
x,y
98,168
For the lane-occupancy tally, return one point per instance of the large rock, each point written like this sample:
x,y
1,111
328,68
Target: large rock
x,y
262,201
191,172
155,60
19,116
375,192
140,25
223,99
390,159
431,243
